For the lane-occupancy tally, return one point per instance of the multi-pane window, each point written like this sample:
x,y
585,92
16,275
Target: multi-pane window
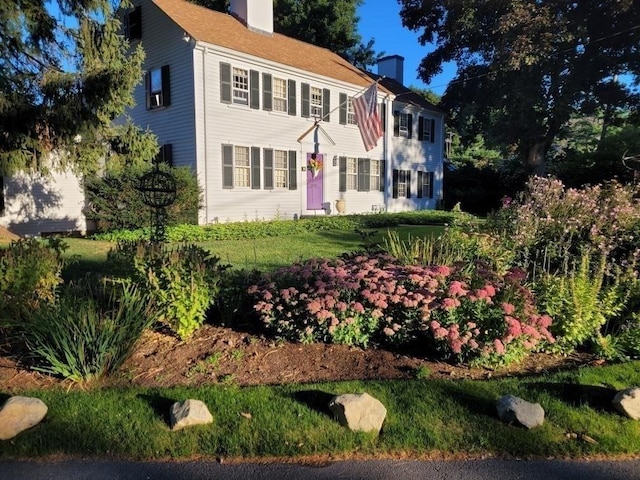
x,y
427,129
351,114
279,95
316,102
402,183
352,173
375,175
281,169
404,124
240,86
242,170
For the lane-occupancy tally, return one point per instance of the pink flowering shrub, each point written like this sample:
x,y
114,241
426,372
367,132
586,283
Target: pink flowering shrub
x,y
549,225
476,316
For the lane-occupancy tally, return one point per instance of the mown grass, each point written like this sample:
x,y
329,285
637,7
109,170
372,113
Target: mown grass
x,y
424,416
264,254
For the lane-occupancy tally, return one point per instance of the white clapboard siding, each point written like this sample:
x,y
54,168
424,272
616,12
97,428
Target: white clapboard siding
x,y
38,204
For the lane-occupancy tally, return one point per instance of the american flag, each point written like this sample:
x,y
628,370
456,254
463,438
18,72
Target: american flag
x,y
366,109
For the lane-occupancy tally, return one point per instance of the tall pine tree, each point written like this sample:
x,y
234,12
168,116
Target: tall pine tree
x,y
64,79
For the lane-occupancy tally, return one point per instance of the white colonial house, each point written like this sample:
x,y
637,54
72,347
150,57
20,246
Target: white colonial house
x,y
238,103
248,109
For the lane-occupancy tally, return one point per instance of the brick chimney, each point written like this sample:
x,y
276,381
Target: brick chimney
x,y
392,66
257,15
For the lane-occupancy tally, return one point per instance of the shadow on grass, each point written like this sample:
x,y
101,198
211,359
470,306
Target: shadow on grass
x,y
598,398
316,400
478,403
161,405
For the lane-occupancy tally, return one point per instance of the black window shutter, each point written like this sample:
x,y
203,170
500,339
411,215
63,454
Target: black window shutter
x,y
227,166
268,168
267,92
408,183
167,154
430,184
342,174
342,116
291,87
305,106
396,124
225,82
326,104
1,195
254,89
409,125
255,168
383,116
293,171
364,175
166,86
420,180
421,128
396,175
147,89
383,174
134,24
433,131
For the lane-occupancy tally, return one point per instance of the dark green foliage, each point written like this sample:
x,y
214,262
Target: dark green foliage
x,y
116,203
243,230
88,332
62,86
526,67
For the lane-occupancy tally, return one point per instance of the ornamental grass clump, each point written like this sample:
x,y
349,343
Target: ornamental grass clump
x,y
473,315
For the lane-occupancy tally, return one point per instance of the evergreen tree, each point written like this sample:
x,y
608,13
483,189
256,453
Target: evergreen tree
x,y
62,85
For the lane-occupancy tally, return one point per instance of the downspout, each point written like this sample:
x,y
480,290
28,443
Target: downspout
x,y
204,126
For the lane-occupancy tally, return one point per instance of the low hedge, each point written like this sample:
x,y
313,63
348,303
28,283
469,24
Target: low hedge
x,y
275,228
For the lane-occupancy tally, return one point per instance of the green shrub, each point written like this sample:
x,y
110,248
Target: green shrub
x,y
115,203
233,304
579,301
183,282
88,332
275,228
30,273
453,246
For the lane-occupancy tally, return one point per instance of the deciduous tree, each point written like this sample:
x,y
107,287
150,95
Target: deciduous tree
x,y
526,66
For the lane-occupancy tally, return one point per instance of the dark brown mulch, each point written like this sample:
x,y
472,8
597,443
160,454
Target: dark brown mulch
x,y
217,355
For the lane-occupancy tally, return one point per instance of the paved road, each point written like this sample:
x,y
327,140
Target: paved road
x,y
493,469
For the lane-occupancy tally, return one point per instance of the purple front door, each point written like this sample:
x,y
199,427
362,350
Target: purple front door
x,y
315,185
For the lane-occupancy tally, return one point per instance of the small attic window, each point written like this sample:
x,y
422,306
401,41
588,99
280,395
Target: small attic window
x,y
133,24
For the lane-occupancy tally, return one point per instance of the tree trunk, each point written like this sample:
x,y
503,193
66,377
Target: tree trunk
x,y
536,154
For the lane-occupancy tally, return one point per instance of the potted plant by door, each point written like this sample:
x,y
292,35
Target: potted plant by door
x,y
341,205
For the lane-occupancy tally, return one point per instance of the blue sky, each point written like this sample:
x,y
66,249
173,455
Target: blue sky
x,y
380,20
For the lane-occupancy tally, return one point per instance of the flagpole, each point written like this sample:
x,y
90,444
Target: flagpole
x,y
318,120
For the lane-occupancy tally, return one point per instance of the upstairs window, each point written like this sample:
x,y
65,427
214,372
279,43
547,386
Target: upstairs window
x,y
240,86
402,124
316,102
133,24
426,129
279,95
351,114
158,91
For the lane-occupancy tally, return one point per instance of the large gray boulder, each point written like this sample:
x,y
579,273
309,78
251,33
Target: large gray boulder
x,y
20,413
358,411
515,410
189,413
627,402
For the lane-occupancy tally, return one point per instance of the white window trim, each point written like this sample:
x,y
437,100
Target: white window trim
x,y
374,175
283,170
240,86
315,102
352,175
237,167
403,130
284,100
351,114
